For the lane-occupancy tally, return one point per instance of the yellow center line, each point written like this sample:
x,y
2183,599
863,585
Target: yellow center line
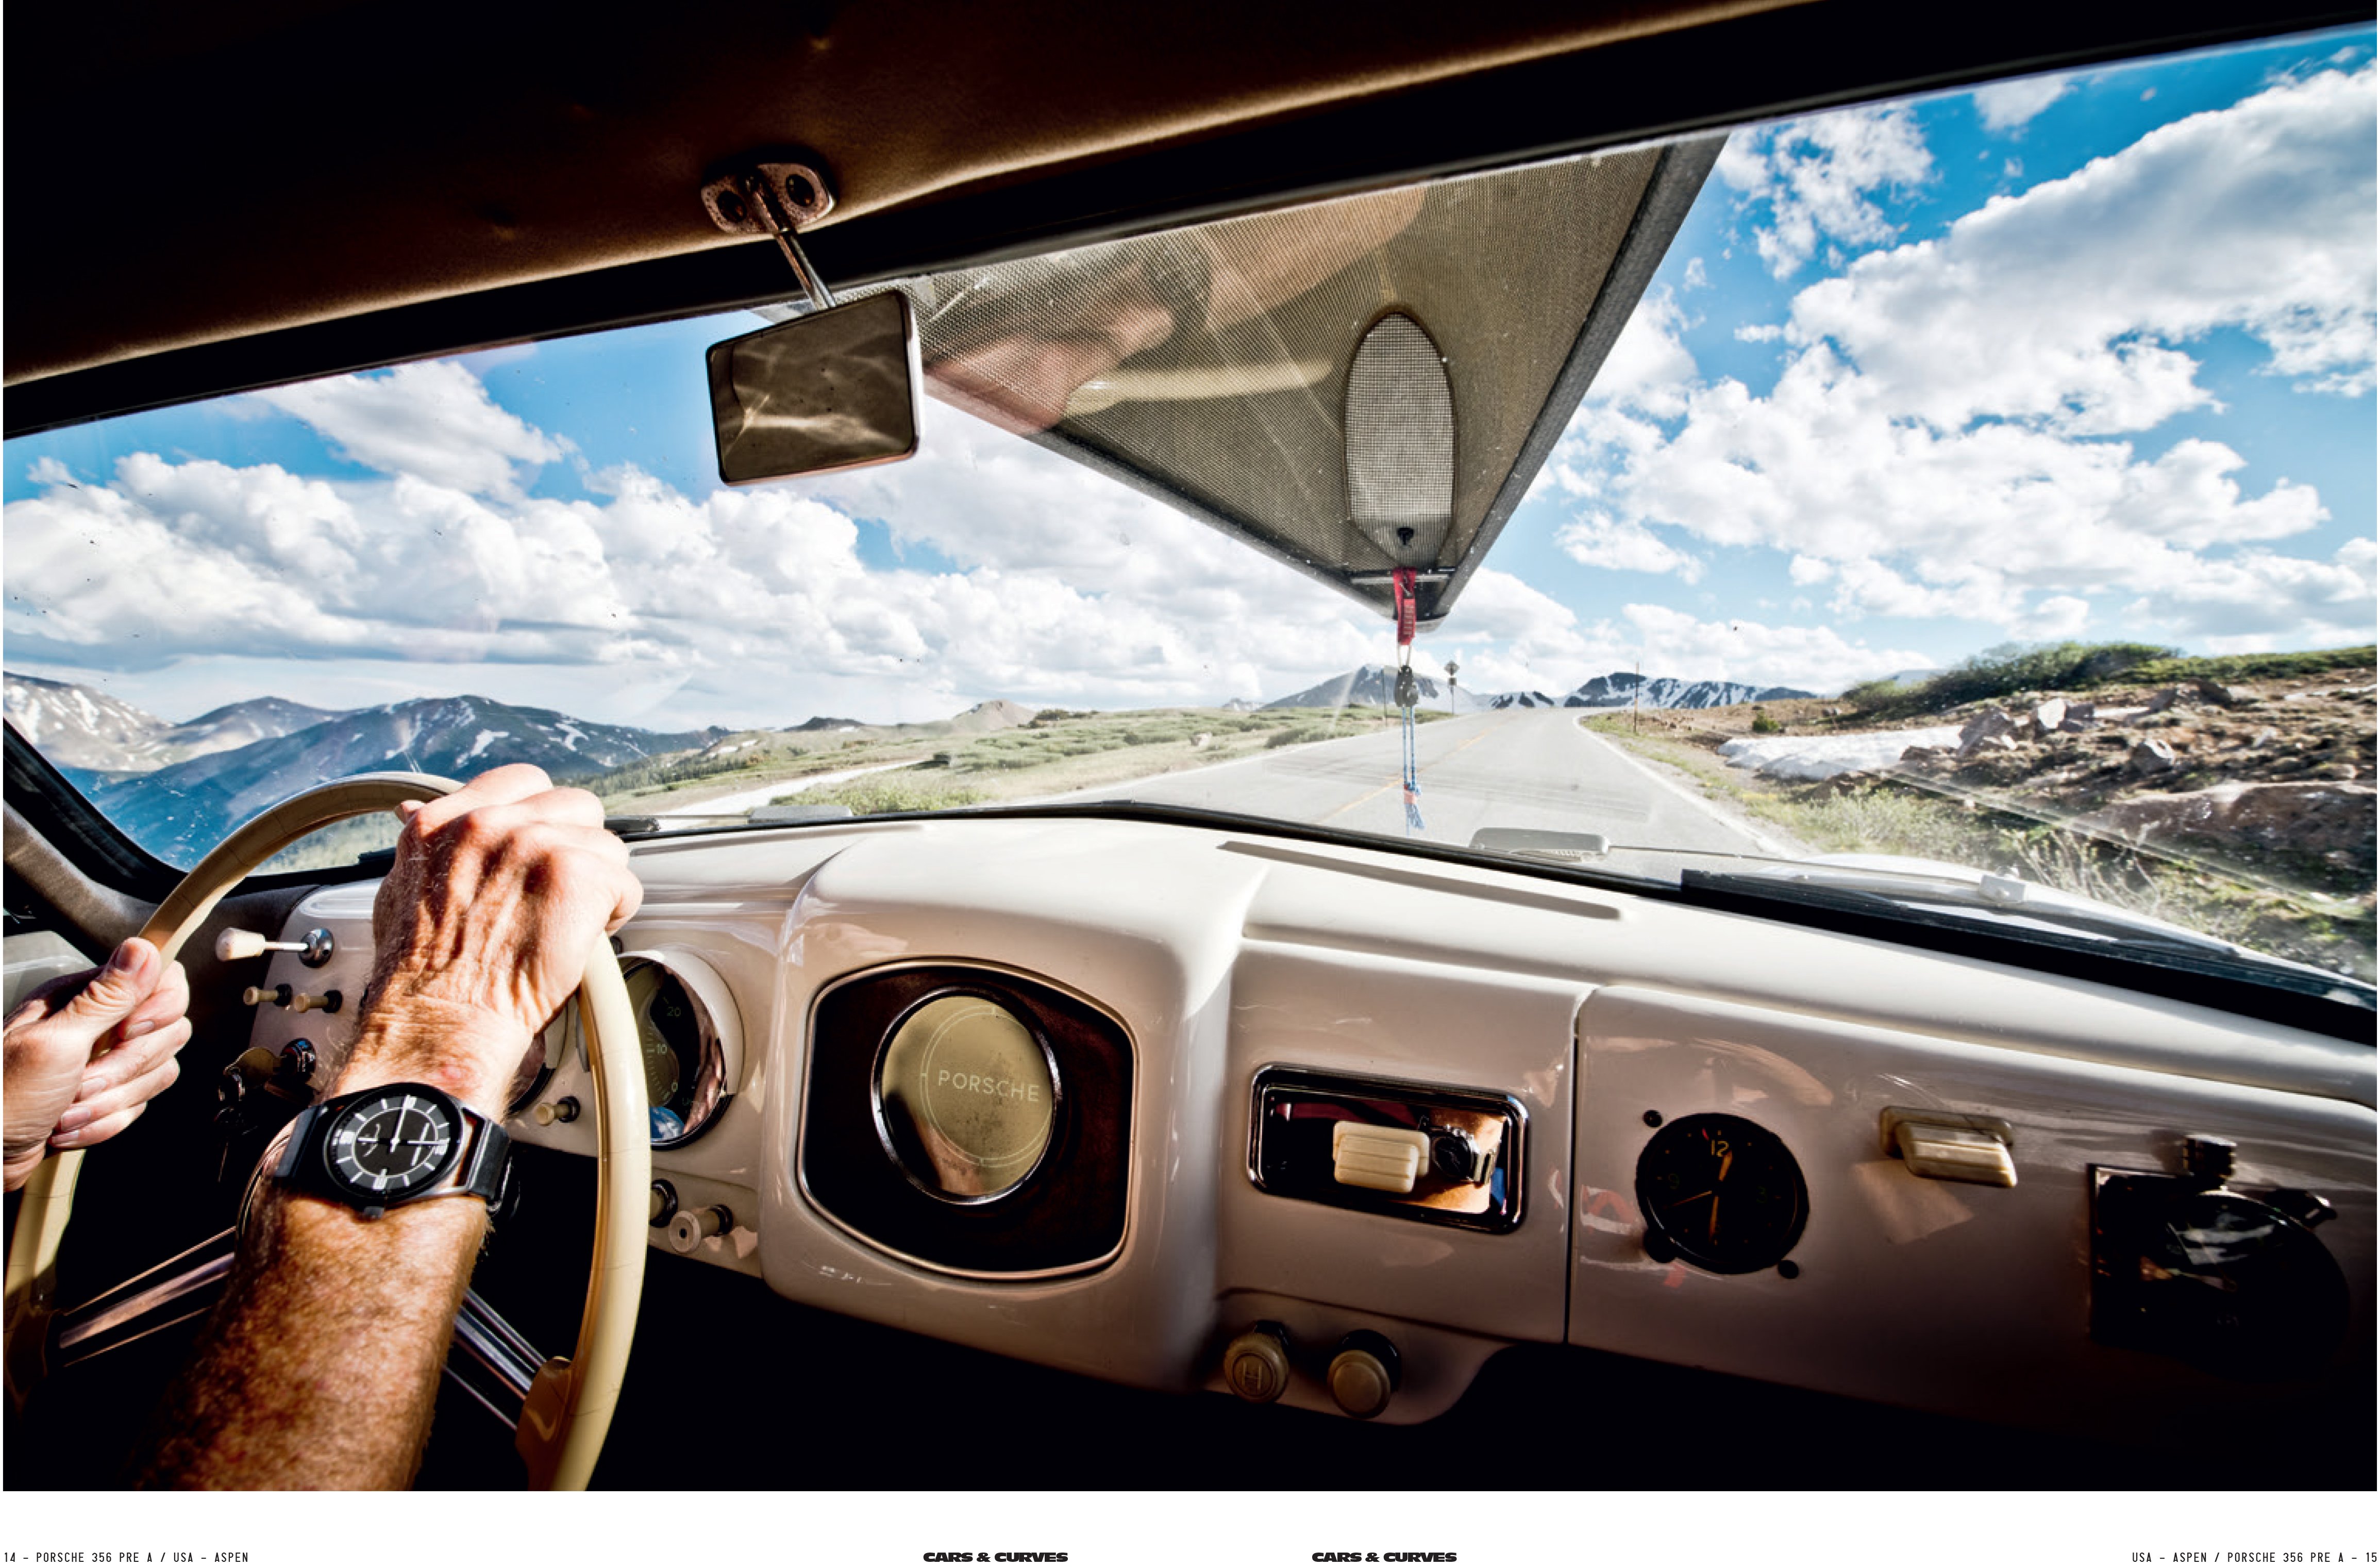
x,y
1400,783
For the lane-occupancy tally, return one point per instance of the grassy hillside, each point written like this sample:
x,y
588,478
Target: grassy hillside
x,y
2008,670
930,767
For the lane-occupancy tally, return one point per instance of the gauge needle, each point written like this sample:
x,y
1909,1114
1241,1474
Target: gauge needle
x,y
1724,1160
1696,1197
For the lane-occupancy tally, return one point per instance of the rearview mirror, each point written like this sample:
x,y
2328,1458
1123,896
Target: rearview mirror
x,y
821,393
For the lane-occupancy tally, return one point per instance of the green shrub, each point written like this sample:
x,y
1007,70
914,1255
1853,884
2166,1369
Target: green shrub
x,y
2004,671
875,796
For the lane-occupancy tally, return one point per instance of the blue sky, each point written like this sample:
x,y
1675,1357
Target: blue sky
x,y
2086,356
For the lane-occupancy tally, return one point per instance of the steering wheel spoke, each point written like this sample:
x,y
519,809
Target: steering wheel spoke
x,y
490,1360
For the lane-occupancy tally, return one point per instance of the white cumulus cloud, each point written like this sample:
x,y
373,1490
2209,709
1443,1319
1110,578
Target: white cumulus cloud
x,y
1963,428
2007,106
433,420
1816,176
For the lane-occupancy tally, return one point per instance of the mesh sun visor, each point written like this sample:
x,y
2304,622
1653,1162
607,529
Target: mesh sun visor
x,y
1315,379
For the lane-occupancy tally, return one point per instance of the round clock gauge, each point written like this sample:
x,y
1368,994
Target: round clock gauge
x,y
1722,1192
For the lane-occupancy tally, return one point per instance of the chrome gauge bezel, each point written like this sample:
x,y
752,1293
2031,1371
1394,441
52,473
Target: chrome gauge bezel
x,y
1782,1222
550,1050
1049,1146
710,1094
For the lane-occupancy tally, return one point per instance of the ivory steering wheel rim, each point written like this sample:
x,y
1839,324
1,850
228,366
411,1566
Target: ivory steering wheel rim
x,y
569,1408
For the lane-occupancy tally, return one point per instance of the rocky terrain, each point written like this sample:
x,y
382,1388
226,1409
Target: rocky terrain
x,y
2279,778
2243,806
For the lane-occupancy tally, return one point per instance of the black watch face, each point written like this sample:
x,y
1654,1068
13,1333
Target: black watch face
x,y
391,1144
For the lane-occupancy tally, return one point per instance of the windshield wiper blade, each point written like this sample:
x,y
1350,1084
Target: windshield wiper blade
x,y
2001,896
1864,910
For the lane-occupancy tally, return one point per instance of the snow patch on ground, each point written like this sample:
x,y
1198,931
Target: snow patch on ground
x,y
486,737
1806,758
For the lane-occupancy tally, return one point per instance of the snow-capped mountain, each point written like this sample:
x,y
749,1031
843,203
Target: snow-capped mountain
x,y
244,724
1375,685
1622,688
77,727
179,810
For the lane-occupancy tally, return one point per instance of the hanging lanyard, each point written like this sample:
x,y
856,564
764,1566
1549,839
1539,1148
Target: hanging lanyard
x,y
1408,693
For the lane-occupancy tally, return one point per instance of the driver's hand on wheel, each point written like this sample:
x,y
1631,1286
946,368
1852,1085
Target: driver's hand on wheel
x,y
86,1053
482,929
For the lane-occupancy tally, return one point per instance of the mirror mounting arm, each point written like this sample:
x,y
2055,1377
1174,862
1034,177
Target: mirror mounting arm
x,y
777,200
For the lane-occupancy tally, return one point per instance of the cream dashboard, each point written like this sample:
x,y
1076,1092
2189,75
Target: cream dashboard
x,y
1188,1107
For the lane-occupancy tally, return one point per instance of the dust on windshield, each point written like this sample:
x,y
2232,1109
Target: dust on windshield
x,y
1982,482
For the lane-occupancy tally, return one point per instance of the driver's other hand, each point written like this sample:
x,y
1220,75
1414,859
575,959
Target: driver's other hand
x,y
499,891
86,1053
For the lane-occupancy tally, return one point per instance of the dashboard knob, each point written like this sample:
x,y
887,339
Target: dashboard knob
x,y
2208,1159
662,1207
1257,1363
556,1110
1363,1375
695,1225
1385,1159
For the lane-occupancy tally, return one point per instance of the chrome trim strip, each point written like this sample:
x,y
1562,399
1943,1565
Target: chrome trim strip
x,y
1496,1222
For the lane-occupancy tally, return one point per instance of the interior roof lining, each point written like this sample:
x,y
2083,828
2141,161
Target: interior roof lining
x,y
1642,88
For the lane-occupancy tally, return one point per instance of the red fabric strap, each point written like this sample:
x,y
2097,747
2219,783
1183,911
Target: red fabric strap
x,y
1403,580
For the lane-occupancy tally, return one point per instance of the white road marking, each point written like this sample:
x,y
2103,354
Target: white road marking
x,y
1776,847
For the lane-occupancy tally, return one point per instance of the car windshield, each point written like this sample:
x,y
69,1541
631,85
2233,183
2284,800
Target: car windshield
x,y
1968,506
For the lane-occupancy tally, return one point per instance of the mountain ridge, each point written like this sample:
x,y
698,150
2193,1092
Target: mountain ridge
x,y
90,731
1374,685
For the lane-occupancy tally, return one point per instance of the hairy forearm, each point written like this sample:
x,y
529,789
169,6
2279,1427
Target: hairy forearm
x,y
319,1367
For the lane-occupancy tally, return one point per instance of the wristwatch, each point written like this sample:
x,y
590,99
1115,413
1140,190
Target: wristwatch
x,y
398,1143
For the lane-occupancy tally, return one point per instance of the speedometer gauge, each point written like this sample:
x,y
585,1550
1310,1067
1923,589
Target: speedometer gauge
x,y
1722,1192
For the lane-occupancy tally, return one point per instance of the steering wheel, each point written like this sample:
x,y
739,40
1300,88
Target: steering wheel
x,y
570,1403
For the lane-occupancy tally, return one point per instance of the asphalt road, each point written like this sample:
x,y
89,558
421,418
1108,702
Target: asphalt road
x,y
1524,768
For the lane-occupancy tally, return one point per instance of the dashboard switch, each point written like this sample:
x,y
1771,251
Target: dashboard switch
x,y
1363,1374
1947,1145
662,1205
695,1225
1257,1363
563,1108
233,946
1385,1159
